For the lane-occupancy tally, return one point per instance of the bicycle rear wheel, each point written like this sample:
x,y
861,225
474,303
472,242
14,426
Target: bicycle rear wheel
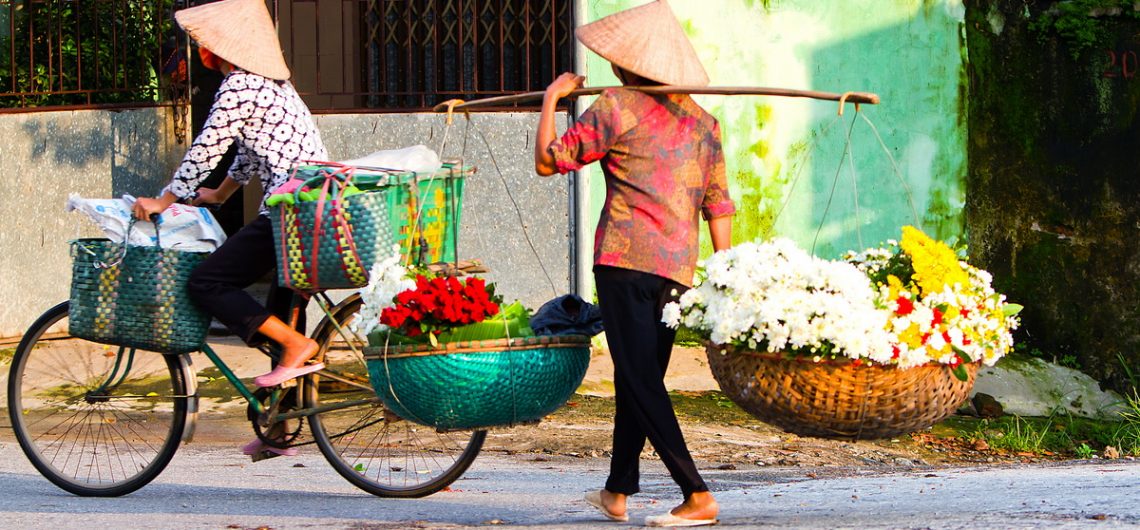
x,y
370,446
95,420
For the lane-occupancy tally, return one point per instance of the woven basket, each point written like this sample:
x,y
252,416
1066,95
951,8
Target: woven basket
x,y
422,207
837,399
479,384
135,296
331,244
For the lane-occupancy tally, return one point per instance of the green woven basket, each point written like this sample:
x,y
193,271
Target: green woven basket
x,y
479,384
339,253
135,296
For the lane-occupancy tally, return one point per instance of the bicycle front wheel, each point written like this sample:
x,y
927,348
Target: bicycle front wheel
x,y
95,420
369,445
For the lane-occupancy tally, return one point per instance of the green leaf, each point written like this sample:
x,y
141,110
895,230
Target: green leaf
x,y
433,340
960,372
1011,309
963,355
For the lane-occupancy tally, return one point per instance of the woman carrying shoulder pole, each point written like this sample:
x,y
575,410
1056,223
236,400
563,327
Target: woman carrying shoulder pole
x,y
664,169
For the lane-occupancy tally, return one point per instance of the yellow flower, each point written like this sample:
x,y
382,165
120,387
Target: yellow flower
x,y
935,264
911,336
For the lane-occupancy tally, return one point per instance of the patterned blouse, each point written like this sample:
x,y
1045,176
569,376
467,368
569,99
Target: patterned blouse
x,y
271,125
662,159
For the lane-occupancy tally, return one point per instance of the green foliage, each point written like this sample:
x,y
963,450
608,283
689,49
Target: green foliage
x,y
1126,436
1081,24
688,337
1056,434
1024,350
68,53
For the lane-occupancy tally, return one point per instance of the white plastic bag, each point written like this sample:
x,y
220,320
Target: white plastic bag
x,y
418,158
181,227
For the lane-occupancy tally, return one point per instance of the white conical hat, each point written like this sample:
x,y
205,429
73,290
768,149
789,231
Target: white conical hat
x,y
648,41
239,31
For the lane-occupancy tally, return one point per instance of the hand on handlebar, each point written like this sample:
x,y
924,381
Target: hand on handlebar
x,y
149,209
210,198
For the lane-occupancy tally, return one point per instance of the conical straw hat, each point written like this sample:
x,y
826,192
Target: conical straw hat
x,y
239,31
648,41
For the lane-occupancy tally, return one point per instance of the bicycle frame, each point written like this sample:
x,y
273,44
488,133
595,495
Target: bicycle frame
x,y
270,411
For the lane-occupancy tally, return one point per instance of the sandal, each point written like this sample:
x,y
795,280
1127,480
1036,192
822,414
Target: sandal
x,y
258,448
594,498
280,374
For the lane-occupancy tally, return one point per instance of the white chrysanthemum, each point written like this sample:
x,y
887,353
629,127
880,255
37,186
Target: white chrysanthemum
x,y
777,295
387,279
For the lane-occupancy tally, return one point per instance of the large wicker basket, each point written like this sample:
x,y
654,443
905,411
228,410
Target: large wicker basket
x,y
479,384
837,399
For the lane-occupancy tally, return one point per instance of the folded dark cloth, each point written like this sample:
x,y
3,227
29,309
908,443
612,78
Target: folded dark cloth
x,y
567,315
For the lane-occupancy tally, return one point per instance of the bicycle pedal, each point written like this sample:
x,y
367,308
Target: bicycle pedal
x,y
289,383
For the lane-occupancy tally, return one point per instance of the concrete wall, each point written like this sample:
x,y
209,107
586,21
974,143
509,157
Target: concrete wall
x,y
49,155
516,222
44,157
908,52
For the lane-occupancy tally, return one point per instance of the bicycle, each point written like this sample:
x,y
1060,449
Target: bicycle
x,y
100,420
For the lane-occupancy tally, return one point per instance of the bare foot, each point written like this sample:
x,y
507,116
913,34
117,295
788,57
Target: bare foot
x,y
614,502
699,505
298,351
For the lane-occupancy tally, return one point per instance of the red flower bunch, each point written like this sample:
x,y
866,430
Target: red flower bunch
x,y
439,303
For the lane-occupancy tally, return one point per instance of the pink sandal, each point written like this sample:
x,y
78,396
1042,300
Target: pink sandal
x,y
281,374
258,446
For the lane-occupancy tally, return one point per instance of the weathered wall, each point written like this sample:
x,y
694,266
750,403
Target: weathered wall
x,y
45,157
48,155
516,222
908,52
1054,176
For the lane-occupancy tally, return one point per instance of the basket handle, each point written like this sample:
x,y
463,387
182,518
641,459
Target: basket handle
x,y
339,179
100,264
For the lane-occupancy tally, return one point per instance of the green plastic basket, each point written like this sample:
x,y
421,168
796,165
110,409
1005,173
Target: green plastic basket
x,y
479,384
135,296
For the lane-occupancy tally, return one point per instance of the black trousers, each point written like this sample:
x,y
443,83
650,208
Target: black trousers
x,y
640,344
217,285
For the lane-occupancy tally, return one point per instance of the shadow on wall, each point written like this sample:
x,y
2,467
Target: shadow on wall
x,y
906,161
125,147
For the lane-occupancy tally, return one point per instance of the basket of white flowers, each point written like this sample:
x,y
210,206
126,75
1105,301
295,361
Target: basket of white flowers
x,y
884,342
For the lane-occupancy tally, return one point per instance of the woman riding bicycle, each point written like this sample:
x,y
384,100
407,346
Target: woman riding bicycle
x,y
256,108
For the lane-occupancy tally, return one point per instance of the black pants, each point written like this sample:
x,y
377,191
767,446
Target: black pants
x,y
640,345
217,284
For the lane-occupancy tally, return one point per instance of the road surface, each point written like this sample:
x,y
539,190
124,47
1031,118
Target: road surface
x,y
217,487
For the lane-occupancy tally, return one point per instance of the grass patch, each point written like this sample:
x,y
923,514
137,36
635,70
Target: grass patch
x,y
212,384
709,406
1054,435
1126,436
712,407
688,338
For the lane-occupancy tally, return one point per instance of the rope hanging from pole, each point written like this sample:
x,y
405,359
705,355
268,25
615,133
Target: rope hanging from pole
x,y
516,99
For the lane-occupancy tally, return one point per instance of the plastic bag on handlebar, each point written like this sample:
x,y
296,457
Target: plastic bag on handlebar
x,y
185,228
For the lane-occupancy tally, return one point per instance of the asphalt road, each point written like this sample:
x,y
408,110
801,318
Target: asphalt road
x,y
212,487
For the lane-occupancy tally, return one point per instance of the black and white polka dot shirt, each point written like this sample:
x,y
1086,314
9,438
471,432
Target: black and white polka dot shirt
x,y
271,126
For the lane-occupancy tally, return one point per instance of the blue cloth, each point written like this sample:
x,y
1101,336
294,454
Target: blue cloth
x,y
567,315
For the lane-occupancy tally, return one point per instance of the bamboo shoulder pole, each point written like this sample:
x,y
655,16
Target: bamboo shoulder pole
x,y
515,99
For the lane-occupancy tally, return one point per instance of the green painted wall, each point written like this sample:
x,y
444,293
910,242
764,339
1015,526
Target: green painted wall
x,y
784,155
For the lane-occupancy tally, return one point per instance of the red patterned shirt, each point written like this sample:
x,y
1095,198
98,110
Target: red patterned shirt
x,y
662,159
